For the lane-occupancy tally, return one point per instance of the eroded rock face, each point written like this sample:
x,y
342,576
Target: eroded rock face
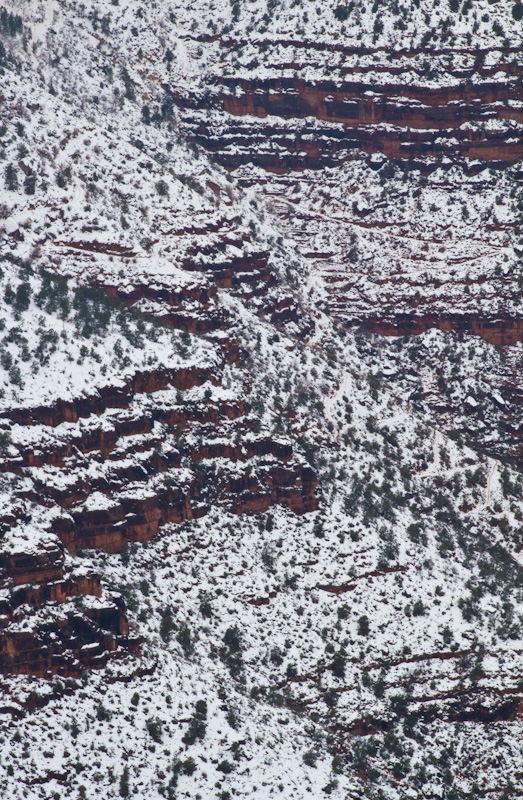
x,y
66,646
112,462
84,628
367,192
402,121
110,396
500,332
116,465
387,169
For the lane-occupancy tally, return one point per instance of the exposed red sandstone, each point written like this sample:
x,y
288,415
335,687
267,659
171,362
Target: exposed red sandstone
x,y
88,638
82,639
111,396
67,645
402,120
498,331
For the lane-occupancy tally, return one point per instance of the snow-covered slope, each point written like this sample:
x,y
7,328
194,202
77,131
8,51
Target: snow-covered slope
x,y
253,542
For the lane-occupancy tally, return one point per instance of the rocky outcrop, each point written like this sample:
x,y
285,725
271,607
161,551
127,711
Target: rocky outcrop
x,y
500,331
122,464
407,121
83,629
111,396
320,105
80,639
139,516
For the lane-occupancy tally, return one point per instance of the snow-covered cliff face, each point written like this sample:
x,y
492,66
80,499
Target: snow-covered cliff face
x,y
259,399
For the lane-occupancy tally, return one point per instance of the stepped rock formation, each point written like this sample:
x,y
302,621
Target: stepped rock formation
x,y
369,168
408,122
260,406
112,464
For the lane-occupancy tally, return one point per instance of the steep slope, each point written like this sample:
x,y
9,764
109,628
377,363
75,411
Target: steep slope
x,y
372,129
251,546
124,442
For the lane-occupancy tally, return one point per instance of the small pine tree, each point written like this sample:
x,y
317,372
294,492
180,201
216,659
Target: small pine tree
x,y
166,624
363,626
11,177
10,24
124,783
197,725
184,638
129,88
30,184
338,664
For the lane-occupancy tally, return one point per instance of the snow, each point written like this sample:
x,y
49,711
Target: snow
x,y
407,514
